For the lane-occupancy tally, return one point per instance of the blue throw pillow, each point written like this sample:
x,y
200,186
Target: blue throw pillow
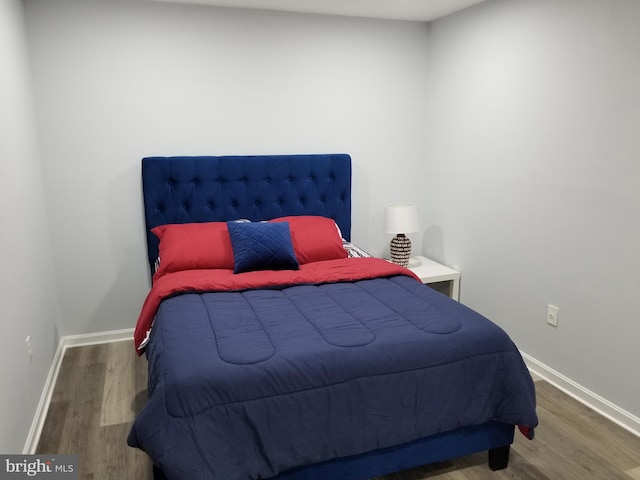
x,y
261,246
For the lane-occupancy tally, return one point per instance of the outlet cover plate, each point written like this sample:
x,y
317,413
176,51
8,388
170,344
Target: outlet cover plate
x,y
552,315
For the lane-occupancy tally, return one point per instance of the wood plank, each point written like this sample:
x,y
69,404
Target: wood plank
x,y
116,461
81,427
612,443
120,389
634,473
51,438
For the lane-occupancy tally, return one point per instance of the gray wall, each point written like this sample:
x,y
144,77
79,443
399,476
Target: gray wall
x,y
532,178
116,81
28,305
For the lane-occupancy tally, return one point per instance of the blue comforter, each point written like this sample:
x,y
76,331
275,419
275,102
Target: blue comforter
x,y
244,385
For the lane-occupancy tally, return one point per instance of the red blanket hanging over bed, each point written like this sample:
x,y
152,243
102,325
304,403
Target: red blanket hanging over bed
x,y
329,271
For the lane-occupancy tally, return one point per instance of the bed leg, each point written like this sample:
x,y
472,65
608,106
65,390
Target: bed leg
x,y
499,458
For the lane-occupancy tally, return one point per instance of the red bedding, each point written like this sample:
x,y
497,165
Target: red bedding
x,y
341,270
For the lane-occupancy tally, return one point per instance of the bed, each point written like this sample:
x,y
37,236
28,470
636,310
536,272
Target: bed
x,y
273,353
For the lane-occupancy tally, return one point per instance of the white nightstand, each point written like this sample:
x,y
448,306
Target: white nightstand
x,y
431,272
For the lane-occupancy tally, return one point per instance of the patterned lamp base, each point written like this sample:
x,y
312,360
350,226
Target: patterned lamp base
x,y
401,249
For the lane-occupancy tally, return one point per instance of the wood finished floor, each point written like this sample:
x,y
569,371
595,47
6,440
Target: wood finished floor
x,y
101,387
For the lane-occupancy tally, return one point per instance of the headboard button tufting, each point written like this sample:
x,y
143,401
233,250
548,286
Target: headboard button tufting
x,y
193,189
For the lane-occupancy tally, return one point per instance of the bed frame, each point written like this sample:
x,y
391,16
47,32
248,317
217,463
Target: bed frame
x,y
207,188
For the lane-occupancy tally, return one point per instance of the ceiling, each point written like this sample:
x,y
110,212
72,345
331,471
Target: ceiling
x,y
412,10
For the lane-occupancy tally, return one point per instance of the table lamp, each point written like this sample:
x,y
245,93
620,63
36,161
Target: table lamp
x,y
400,218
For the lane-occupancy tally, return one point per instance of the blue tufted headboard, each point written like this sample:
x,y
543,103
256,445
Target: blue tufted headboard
x,y
209,189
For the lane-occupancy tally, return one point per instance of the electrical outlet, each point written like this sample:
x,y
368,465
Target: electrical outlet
x,y
552,315
27,341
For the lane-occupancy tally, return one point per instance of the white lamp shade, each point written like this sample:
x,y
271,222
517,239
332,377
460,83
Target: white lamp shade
x,y
401,218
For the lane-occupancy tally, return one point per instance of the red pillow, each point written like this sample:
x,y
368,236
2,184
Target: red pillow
x,y
193,246
314,238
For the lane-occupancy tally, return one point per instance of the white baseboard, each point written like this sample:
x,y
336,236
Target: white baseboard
x,y
100,337
43,405
604,407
